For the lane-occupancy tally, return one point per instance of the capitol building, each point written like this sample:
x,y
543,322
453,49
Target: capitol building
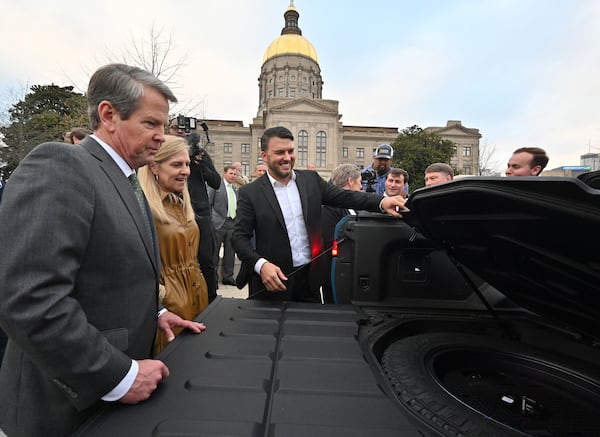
x,y
290,90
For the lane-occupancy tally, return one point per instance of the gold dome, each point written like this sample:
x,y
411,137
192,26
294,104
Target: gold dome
x,y
291,44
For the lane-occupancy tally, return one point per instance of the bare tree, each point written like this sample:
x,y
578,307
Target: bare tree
x,y
154,54
487,164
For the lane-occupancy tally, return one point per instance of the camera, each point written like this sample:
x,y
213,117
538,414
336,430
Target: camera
x,y
193,140
369,177
186,123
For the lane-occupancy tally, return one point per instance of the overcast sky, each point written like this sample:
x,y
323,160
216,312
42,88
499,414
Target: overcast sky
x,y
524,72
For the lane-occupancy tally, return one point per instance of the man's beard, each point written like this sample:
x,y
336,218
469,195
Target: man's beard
x,y
276,171
381,171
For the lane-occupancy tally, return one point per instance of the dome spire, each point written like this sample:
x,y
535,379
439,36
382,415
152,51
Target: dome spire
x,y
291,40
291,21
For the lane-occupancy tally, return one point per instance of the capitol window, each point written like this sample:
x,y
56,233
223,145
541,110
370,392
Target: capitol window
x,y
302,157
321,149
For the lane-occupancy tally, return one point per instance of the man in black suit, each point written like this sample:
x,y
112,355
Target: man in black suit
x,y
283,209
80,288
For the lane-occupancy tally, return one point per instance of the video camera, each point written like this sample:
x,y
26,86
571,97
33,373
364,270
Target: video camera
x,y
193,139
369,177
186,123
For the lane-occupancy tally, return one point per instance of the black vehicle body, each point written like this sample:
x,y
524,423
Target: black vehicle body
x,y
478,314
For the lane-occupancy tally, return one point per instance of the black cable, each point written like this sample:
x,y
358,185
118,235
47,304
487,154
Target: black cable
x,y
323,252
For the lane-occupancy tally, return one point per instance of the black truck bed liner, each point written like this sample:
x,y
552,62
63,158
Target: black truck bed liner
x,y
263,369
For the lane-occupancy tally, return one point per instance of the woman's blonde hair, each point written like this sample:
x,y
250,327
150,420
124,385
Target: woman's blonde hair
x,y
172,146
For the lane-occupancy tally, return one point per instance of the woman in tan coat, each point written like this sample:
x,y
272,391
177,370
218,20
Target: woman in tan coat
x,y
164,182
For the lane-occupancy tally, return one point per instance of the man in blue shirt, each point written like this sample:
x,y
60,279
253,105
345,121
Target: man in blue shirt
x,y
382,162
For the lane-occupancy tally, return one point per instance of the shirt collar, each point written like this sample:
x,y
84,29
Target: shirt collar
x,y
115,156
275,181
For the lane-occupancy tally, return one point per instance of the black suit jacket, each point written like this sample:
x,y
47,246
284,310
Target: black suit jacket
x,y
259,214
79,287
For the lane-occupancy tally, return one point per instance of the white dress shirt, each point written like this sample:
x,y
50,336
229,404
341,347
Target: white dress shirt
x,y
288,198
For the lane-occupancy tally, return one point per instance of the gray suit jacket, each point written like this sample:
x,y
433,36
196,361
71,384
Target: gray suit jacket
x,y
79,287
219,203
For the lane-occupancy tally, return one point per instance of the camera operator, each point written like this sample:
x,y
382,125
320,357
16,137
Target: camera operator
x,y
202,172
373,177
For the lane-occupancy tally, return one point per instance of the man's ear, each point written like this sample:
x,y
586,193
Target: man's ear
x,y
537,169
107,114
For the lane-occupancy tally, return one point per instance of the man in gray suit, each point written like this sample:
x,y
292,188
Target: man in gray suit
x,y
80,288
224,204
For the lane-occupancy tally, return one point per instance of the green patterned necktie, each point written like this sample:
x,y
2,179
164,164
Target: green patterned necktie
x,y
139,194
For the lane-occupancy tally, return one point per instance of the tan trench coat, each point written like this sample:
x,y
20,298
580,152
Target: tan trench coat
x,y
185,288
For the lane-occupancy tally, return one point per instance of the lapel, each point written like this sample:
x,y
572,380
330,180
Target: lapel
x,y
222,203
127,195
223,192
303,190
271,198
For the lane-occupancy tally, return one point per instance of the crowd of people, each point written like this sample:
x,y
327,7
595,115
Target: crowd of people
x,y
107,269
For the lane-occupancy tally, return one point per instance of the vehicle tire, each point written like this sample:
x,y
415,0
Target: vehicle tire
x,y
471,385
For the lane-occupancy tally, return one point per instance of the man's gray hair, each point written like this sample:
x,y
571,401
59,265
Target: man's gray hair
x,y
440,167
123,86
340,174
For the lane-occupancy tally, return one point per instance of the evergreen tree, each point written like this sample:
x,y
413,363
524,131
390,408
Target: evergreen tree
x,y
45,114
415,149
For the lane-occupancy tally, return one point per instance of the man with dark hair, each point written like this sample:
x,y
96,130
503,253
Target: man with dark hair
x,y
438,173
283,209
395,182
527,161
79,133
80,288
223,203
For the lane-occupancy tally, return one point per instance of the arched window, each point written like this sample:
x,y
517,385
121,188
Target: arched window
x,y
321,158
302,156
